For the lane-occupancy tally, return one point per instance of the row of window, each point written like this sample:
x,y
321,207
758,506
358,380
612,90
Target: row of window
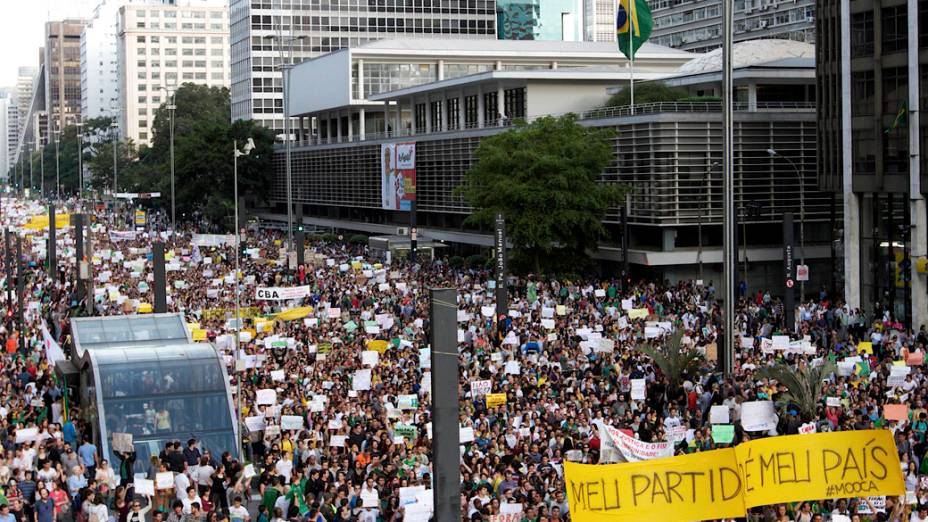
x,y
141,13
155,51
187,40
170,64
484,7
365,24
185,26
894,30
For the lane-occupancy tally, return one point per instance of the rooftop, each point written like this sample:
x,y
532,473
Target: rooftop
x,y
753,53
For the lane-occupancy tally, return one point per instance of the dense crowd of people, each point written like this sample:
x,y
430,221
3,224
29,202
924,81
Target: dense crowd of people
x,y
347,434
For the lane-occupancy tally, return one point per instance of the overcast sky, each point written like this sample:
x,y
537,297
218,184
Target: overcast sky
x,y
22,30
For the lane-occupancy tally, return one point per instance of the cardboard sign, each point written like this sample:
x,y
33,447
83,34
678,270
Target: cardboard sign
x,y
719,415
495,399
122,442
896,412
723,433
164,480
144,487
758,416
480,388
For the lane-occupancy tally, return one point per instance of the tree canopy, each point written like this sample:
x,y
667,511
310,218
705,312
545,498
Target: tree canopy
x,y
653,92
544,177
203,157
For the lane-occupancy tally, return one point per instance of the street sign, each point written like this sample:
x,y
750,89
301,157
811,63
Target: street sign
x,y
789,283
802,272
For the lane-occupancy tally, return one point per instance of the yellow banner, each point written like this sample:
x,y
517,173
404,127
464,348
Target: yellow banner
x,y
495,399
638,313
700,486
725,483
823,465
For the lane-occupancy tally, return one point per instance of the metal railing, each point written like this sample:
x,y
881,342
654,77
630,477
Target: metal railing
x,y
599,113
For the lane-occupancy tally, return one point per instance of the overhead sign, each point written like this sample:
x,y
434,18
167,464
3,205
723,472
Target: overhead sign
x,y
726,483
282,294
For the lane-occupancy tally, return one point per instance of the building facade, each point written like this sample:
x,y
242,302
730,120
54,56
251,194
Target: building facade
x,y
350,105
873,77
599,20
697,25
8,134
667,153
99,63
537,20
62,63
161,47
264,35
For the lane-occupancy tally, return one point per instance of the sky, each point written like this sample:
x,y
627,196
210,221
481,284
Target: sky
x,y
22,29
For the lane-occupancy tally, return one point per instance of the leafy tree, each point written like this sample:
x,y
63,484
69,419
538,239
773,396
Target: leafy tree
x,y
648,92
544,177
675,361
100,163
803,385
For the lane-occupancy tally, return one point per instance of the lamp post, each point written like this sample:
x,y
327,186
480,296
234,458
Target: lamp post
x,y
285,66
802,217
246,150
57,165
115,126
171,108
80,161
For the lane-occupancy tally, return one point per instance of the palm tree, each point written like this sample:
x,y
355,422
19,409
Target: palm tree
x,y
675,361
803,385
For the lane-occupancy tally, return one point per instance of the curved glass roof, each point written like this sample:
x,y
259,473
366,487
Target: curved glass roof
x,y
151,381
748,53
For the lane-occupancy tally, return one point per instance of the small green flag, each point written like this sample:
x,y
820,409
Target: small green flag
x,y
633,25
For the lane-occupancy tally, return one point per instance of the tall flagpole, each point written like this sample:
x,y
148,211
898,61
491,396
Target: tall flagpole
x,y
631,50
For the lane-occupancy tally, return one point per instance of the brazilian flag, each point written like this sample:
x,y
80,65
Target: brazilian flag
x,y
633,25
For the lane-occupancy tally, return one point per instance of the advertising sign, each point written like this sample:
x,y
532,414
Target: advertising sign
x,y
398,176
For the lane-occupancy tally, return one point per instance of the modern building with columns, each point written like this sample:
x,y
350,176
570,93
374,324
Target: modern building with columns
x,y
667,153
345,106
872,79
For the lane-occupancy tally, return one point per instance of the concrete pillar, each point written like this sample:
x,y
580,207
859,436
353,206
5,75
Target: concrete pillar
x,y
461,114
441,70
752,97
852,203
302,136
444,111
328,128
500,102
350,126
412,116
918,243
668,239
338,126
398,119
498,66
362,123
361,95
481,107
862,281
428,115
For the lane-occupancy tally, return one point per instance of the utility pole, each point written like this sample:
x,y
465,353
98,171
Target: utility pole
x,y
158,270
445,444
729,244
80,161
57,167
20,293
52,246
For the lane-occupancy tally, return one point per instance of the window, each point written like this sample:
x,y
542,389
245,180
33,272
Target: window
x,y
143,123
454,120
141,63
514,102
216,63
490,108
470,111
143,99
216,75
895,29
140,39
143,112
436,120
862,92
143,136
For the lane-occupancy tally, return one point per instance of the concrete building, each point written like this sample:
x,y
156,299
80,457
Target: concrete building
x,y
873,77
599,20
99,64
537,20
161,47
264,34
8,134
346,107
697,25
667,153
25,88
62,63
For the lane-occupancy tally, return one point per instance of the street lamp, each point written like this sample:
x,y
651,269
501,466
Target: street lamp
x,y
115,126
285,67
80,160
171,108
802,217
57,165
708,184
246,150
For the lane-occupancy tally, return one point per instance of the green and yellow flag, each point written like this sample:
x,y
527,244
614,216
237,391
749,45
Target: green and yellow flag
x,y
632,25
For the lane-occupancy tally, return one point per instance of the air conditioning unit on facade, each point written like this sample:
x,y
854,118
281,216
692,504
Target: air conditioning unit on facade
x,y
402,231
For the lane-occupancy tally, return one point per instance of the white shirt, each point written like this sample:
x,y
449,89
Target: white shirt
x,y
181,483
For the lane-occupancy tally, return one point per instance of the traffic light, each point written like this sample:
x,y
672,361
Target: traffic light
x,y
9,313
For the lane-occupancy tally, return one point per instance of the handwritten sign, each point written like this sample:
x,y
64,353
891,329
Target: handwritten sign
x,y
774,470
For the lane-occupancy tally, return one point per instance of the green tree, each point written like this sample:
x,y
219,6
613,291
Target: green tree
x,y
544,177
100,163
647,92
203,159
675,361
803,385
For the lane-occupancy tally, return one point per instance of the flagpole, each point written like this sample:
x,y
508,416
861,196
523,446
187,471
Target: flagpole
x,y
631,49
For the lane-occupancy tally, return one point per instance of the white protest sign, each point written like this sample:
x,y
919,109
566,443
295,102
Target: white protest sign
x,y
719,414
480,388
144,487
266,396
282,294
758,416
291,422
164,480
638,389
361,380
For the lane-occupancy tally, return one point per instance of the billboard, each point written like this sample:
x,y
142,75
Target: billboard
x,y
397,176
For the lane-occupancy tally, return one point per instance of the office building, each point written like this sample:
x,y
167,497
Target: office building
x,y
62,63
161,47
599,20
667,153
537,20
345,108
8,134
99,64
263,34
697,26
873,76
